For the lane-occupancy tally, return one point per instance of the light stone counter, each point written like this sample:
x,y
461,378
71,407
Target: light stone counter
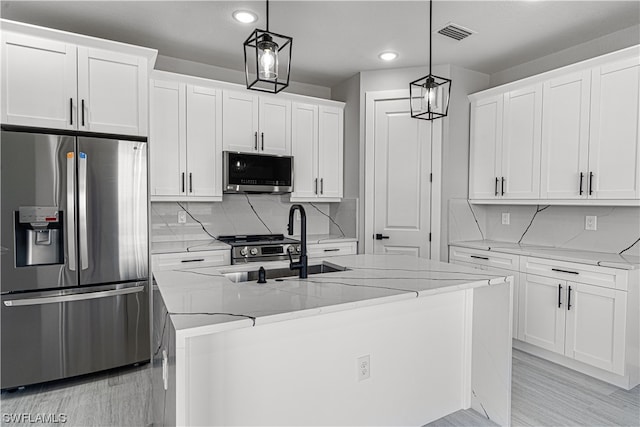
x,y
393,340
602,259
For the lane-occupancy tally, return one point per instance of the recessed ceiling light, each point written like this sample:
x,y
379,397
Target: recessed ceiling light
x,y
244,16
388,56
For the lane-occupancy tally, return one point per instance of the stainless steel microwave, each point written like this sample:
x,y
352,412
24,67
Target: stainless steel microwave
x,y
257,173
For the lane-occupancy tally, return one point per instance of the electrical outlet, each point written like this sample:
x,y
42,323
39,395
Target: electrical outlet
x,y
506,218
591,222
182,217
364,367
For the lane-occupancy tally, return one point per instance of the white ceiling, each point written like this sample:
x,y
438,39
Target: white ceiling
x,y
333,40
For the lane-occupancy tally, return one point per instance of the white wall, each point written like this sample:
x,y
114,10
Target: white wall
x,y
600,46
197,69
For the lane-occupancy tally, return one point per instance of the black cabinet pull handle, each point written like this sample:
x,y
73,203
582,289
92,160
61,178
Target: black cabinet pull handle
x,y
503,185
316,185
479,257
193,260
569,299
321,185
564,271
190,182
590,183
182,182
581,177
332,250
262,140
255,144
559,295
497,185
380,236
70,111
83,112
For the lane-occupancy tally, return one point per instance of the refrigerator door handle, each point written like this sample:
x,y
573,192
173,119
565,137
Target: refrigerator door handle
x,y
75,297
82,210
71,211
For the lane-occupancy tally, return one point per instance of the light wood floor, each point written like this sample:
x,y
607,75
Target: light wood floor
x,y
544,394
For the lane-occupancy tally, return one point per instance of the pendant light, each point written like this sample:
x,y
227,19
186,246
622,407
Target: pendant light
x,y
267,60
429,95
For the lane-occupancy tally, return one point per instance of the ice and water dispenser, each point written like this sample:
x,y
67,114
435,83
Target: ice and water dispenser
x,y
38,232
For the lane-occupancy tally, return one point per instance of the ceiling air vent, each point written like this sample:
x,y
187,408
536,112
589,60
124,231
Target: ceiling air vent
x,y
455,31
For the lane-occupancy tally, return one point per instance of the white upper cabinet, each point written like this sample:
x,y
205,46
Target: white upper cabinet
x,y
112,91
185,142
54,83
520,177
317,147
256,123
38,82
614,152
565,137
168,138
569,136
486,149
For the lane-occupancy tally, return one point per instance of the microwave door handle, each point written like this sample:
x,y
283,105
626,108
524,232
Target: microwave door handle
x,y
70,220
82,210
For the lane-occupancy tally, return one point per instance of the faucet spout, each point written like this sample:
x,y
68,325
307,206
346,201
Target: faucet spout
x,y
302,263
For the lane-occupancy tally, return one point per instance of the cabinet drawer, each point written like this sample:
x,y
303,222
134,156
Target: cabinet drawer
x,y
174,261
486,258
316,250
583,273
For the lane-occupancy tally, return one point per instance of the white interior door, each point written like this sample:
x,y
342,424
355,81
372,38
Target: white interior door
x,y
402,200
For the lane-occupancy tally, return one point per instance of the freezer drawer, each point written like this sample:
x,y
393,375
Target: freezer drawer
x,y
58,334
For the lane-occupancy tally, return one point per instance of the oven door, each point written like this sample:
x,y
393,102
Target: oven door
x,y
257,173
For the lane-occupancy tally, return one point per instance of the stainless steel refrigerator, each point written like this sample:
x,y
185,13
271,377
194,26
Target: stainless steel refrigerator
x,y
74,287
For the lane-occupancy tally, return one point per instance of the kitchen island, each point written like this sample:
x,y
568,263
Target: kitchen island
x,y
390,340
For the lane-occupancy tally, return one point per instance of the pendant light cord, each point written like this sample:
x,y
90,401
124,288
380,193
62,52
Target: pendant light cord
x,y
430,22
267,15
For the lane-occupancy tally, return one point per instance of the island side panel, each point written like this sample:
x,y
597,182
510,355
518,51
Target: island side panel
x,y
163,364
305,371
491,351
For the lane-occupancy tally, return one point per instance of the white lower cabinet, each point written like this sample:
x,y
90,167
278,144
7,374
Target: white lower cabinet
x,y
172,261
317,250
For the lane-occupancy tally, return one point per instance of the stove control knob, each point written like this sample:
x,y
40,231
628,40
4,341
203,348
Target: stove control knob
x,y
290,249
298,249
244,251
254,251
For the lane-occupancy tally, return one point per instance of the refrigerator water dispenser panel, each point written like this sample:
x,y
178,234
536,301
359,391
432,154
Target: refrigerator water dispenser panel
x,y
38,236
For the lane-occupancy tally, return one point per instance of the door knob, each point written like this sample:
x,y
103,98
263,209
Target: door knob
x,y
380,236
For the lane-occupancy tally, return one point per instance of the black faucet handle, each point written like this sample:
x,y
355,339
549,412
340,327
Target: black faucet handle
x,y
289,231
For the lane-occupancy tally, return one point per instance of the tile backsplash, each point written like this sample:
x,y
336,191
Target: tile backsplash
x,y
556,226
235,216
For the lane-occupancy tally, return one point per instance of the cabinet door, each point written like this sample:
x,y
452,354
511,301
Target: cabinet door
x,y
542,312
239,121
38,82
521,143
330,152
565,137
112,92
596,326
168,135
275,126
486,146
204,141
304,147
614,155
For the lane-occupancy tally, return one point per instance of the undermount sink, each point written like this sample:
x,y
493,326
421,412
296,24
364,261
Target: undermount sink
x,y
276,273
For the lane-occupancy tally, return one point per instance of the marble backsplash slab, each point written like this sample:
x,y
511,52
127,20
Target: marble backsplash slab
x,y
235,215
618,227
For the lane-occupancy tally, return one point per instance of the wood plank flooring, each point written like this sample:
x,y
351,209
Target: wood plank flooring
x,y
544,394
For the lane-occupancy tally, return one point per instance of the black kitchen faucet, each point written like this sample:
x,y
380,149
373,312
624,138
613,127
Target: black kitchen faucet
x,y
302,261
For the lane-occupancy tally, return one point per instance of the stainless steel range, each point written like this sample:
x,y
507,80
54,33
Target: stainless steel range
x,y
261,247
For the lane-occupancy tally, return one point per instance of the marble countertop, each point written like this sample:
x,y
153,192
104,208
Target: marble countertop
x,y
203,300
179,246
603,259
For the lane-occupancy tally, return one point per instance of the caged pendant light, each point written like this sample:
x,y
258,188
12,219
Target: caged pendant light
x,y
429,95
267,60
